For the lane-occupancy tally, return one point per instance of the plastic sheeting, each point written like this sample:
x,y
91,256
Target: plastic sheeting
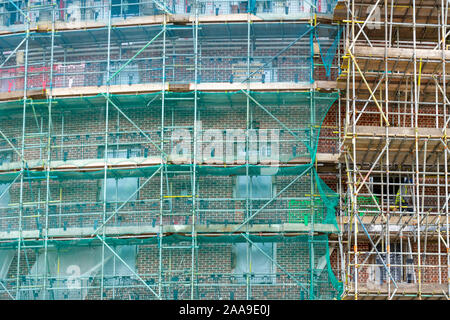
x,y
261,266
6,258
71,270
4,195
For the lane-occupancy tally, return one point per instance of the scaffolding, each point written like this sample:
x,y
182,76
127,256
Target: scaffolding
x,y
394,148
114,183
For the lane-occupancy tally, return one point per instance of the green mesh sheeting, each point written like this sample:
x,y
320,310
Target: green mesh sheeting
x,y
329,198
367,205
167,239
298,135
310,270
322,7
308,202
318,208
328,38
314,203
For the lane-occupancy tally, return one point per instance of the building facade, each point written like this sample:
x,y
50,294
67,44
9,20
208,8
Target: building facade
x,y
221,150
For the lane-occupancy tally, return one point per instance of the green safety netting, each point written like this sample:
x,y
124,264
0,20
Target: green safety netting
x,y
316,204
298,135
330,5
323,281
148,170
310,268
293,64
317,207
203,99
328,38
167,239
308,208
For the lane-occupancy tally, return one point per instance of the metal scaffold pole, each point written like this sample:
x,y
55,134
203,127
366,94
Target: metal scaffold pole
x,y
394,69
49,155
105,156
22,163
354,194
444,19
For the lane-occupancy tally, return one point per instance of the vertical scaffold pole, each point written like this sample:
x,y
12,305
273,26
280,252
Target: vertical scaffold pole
x,y
22,162
386,131
194,168
49,152
105,168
